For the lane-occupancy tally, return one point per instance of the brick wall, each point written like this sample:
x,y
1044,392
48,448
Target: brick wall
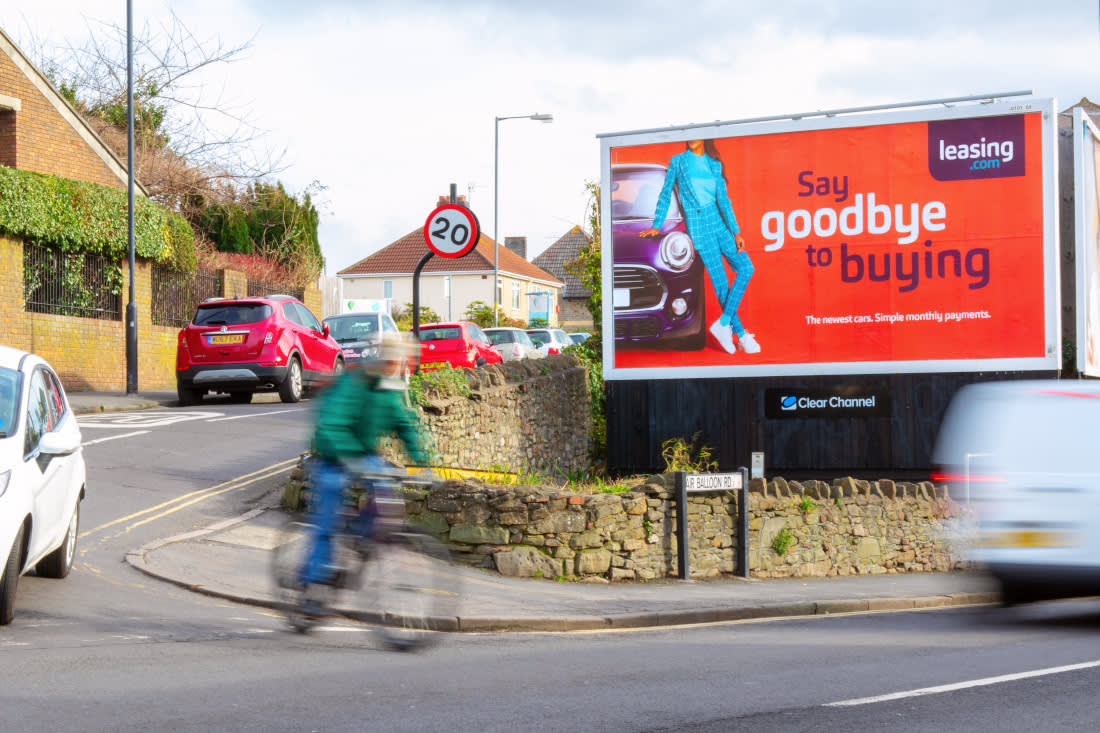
x,y
90,354
46,141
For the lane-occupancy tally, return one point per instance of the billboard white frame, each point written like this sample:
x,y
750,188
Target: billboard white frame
x,y
1086,265
956,109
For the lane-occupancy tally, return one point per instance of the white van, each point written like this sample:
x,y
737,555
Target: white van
x,y
1025,455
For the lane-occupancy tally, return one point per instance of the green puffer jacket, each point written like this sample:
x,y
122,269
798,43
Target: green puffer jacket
x,y
353,416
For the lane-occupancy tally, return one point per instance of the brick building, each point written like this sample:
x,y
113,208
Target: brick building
x,y
41,133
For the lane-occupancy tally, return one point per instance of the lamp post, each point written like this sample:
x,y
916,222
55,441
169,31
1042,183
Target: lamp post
x,y
496,179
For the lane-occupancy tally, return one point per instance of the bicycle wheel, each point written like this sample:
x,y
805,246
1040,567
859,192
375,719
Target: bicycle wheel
x,y
302,604
412,588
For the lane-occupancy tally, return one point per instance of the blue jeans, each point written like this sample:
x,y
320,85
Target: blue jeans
x,y
714,243
330,480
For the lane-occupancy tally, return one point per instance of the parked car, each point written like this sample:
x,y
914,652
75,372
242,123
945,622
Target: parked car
x,y
246,345
359,333
549,340
513,343
579,337
459,343
657,283
42,474
1022,455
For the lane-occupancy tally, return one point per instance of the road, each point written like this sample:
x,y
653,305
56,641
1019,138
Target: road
x,y
110,649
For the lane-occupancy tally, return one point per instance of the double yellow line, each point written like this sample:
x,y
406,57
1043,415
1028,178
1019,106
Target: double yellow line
x,y
154,513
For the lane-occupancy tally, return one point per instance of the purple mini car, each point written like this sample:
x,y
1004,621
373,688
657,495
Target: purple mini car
x,y
658,282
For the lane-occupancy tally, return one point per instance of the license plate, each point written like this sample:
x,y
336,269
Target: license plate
x,y
621,298
1031,538
226,338
431,365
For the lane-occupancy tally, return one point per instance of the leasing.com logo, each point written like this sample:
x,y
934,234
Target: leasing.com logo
x,y
976,147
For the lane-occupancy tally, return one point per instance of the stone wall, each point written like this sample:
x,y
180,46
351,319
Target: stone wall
x,y
846,527
531,416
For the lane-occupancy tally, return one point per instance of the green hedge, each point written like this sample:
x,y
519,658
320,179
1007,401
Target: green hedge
x,y
75,216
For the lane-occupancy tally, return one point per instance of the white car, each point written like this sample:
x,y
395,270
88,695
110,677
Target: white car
x,y
513,343
550,340
42,474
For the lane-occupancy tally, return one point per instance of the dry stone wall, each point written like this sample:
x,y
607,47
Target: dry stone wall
x,y
846,527
531,416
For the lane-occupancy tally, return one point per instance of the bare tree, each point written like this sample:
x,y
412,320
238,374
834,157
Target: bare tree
x,y
191,146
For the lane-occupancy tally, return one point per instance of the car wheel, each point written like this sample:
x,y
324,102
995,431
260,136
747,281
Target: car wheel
x,y
337,369
59,562
240,398
10,579
187,395
291,388
480,362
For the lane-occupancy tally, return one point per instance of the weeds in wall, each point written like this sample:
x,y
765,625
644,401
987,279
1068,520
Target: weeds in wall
x,y
782,541
683,455
442,383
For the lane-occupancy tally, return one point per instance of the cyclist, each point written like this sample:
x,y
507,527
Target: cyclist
x,y
355,413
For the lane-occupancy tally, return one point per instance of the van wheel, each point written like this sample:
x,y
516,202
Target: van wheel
x,y
291,388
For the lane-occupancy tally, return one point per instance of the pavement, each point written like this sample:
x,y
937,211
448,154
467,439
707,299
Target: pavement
x,y
231,560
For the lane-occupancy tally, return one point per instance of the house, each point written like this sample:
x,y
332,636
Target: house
x,y
40,132
574,302
449,286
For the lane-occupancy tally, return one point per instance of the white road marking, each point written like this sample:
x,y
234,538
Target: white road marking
x,y
113,437
254,414
143,419
964,685
195,496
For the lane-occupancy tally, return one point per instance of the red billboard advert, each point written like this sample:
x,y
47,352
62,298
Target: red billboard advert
x,y
916,241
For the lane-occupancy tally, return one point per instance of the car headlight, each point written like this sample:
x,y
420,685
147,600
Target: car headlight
x,y
5,477
677,251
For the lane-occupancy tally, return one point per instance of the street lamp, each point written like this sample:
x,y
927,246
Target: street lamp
x,y
496,177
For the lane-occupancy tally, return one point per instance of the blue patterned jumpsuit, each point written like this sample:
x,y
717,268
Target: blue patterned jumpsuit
x,y
711,224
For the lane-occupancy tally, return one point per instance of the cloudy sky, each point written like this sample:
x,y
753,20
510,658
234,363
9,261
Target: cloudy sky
x,y
386,102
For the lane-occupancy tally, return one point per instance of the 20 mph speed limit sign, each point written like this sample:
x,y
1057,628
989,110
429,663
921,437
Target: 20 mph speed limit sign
x,y
451,230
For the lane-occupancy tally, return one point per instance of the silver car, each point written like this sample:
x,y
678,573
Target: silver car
x,y
513,343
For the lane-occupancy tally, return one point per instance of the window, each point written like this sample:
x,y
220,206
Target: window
x,y
387,289
38,413
500,291
515,296
306,317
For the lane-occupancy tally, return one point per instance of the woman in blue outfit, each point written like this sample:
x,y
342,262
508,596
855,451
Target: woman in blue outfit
x,y
697,175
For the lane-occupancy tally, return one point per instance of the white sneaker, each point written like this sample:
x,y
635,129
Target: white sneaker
x,y
748,343
724,336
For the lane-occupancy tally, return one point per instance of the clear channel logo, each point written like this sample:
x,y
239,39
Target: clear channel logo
x,y
788,402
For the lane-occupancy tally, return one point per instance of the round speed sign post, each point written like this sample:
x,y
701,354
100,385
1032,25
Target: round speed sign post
x,y
452,230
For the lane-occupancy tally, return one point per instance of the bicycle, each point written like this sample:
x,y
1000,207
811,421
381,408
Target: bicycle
x,y
398,574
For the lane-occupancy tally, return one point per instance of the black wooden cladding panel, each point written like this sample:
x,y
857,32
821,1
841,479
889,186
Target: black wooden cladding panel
x,y
729,413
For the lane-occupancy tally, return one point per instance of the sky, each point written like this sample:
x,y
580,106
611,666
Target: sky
x,y
386,103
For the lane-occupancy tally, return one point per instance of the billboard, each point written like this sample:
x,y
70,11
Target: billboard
x,y
1086,148
920,240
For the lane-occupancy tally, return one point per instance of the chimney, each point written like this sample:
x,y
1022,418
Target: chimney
x,y
517,245
447,199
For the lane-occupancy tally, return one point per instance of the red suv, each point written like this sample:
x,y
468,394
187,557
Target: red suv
x,y
247,345
460,343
